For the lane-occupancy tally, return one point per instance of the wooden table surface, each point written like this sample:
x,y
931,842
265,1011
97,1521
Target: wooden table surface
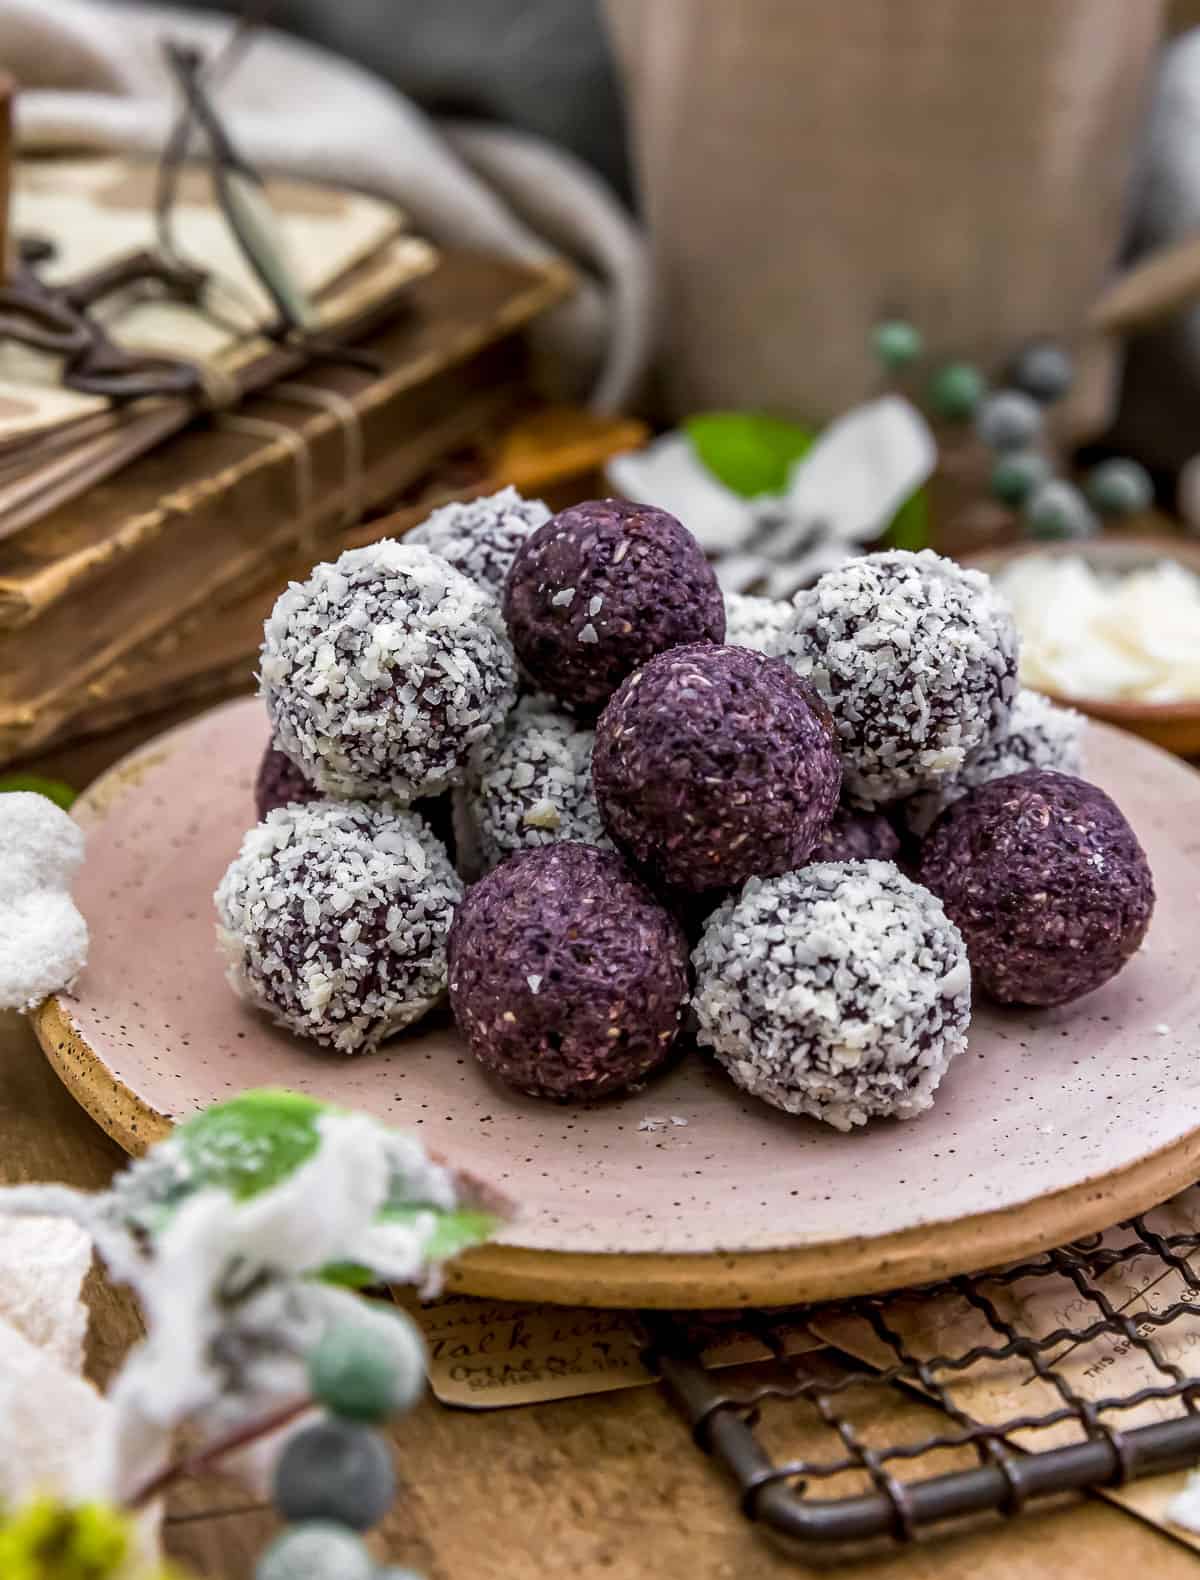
x,y
602,1488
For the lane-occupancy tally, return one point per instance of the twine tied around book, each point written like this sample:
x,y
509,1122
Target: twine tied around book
x,y
354,444
301,453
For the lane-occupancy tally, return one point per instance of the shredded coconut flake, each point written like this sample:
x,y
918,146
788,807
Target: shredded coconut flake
x,y
1038,735
535,788
760,623
841,991
334,919
480,536
422,672
916,658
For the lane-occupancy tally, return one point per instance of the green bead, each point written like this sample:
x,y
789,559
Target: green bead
x,y
896,343
1120,488
368,1372
956,390
1016,475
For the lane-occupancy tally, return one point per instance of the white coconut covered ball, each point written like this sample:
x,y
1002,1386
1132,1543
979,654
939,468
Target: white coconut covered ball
x,y
1039,735
916,658
535,786
759,623
480,536
333,918
841,991
43,845
383,671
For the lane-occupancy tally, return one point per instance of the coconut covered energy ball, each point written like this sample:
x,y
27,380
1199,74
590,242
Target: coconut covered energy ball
x,y
841,991
601,588
917,660
535,787
383,671
713,764
1039,735
280,783
333,918
479,537
857,835
1047,881
567,978
759,623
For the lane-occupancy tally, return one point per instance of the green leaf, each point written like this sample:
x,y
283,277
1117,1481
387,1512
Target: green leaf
x,y
53,789
750,453
454,1231
909,528
252,1142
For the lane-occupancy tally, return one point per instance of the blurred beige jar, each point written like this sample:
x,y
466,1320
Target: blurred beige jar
x,y
811,165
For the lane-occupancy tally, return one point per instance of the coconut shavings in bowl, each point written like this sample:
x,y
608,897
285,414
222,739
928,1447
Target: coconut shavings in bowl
x,y
1132,637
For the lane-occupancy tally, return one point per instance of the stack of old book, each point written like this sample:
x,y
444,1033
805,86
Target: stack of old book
x,y
134,574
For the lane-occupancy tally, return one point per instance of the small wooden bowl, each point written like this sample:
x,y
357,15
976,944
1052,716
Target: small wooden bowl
x,y
1175,726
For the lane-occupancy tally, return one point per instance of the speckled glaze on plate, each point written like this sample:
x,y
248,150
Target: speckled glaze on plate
x,y
1052,1125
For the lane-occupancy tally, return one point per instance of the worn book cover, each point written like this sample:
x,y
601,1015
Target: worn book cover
x,y
187,525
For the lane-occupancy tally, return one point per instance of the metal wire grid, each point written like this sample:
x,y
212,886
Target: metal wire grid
x,y
849,1486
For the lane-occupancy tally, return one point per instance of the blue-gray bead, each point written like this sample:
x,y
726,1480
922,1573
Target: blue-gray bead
x,y
1016,474
1044,370
397,1572
1008,420
315,1552
1058,510
1120,488
335,1470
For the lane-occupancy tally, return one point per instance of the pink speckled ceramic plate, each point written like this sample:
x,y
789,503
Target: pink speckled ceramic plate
x,y
1051,1126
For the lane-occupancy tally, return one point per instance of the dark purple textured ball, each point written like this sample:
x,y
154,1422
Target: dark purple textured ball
x,y
855,835
280,783
567,978
1047,882
713,765
601,588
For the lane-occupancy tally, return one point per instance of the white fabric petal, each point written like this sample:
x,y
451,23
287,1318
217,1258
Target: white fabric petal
x,y
43,1262
668,474
862,469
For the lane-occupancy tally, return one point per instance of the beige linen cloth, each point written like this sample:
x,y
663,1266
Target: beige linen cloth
x,y
91,76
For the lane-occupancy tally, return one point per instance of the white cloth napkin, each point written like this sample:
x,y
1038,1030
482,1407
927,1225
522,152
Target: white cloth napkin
x,y
92,76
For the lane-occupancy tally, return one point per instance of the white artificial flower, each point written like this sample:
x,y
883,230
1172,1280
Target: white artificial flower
x,y
231,1286
839,496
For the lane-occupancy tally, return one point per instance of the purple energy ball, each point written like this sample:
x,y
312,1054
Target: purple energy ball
x,y
280,783
1046,881
854,835
601,588
713,765
567,978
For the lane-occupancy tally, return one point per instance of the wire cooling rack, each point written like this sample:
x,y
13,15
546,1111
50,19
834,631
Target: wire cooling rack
x,y
1078,1370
